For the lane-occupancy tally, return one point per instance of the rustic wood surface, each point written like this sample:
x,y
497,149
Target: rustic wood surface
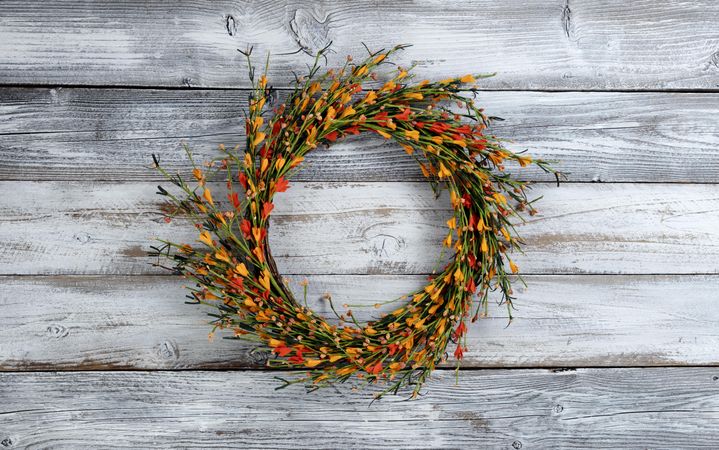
x,y
537,44
583,408
614,342
366,228
93,322
110,134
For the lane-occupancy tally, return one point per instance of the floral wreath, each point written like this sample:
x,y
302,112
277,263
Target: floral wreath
x,y
233,270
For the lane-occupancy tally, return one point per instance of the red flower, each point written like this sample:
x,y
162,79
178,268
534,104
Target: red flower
x,y
472,260
235,199
460,331
458,353
439,127
282,351
374,370
277,127
393,348
471,287
404,115
381,118
246,228
281,184
332,136
267,208
243,180
352,130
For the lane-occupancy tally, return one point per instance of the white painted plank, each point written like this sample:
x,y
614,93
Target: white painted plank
x,y
109,134
360,228
586,408
557,44
140,322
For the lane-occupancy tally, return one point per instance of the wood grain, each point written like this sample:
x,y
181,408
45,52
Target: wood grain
x,y
366,228
140,322
556,44
109,134
586,408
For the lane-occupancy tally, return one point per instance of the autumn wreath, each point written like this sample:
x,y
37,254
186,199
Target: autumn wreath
x,y
435,122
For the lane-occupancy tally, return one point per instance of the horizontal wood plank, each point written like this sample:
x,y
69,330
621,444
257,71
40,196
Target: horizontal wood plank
x,y
140,322
360,228
586,408
555,44
110,134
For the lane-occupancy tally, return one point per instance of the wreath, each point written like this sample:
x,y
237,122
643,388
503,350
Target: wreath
x,y
439,125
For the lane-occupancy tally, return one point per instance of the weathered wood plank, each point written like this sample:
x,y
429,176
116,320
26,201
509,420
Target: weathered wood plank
x,y
345,228
586,408
532,45
140,322
109,134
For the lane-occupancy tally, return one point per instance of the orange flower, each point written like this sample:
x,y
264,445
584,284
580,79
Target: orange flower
x,y
513,266
208,196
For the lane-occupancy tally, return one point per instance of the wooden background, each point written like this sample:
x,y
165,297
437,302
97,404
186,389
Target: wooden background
x,y
616,340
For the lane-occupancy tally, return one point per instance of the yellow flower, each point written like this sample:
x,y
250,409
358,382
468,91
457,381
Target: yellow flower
x,y
242,269
458,276
370,97
513,266
265,279
407,148
448,241
505,234
467,79
222,255
499,198
414,95
384,134
347,111
443,171
259,137
313,362
279,163
412,134
206,238
263,164
452,223
379,58
484,246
